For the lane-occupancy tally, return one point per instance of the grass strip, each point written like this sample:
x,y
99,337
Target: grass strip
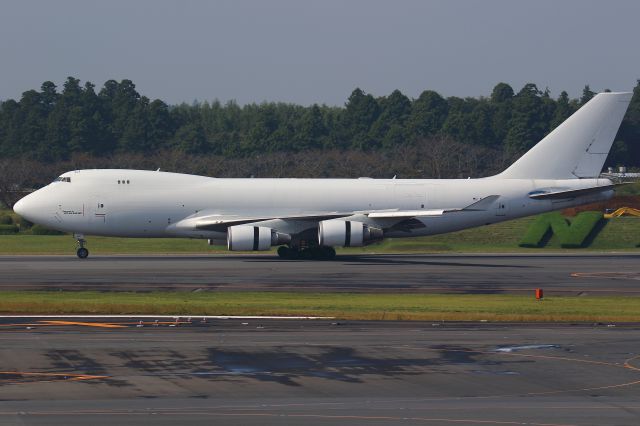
x,y
354,306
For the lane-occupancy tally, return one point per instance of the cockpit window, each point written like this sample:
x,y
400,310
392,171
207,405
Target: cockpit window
x,y
63,179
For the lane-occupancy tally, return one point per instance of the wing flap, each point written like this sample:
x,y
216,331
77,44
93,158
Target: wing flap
x,y
405,214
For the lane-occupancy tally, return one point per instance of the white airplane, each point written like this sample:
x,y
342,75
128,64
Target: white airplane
x,y
308,217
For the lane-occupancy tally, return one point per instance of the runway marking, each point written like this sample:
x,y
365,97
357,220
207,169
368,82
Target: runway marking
x,y
610,275
85,324
65,323
14,377
627,363
384,418
174,317
281,415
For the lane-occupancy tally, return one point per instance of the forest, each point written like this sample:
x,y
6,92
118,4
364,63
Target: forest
x,y
51,130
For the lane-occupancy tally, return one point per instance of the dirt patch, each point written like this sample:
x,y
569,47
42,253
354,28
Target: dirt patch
x,y
615,203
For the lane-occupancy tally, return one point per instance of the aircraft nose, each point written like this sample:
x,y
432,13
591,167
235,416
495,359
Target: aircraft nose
x,y
20,207
25,208
38,207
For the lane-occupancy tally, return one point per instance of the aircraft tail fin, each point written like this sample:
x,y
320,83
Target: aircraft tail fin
x,y
579,146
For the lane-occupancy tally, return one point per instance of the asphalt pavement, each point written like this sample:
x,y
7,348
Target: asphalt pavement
x,y
574,274
291,372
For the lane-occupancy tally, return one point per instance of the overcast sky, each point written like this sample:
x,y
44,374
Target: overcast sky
x,y
319,51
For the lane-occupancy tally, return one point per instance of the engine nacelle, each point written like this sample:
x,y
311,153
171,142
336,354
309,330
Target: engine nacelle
x,y
345,233
254,238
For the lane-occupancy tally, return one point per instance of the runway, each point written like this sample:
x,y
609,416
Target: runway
x,y
574,274
292,372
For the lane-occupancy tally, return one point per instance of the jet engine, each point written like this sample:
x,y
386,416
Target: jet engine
x,y
347,233
248,238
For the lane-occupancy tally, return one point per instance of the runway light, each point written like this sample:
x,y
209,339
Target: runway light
x,y
539,294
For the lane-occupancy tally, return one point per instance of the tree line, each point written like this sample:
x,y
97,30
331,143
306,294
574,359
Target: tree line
x,y
53,125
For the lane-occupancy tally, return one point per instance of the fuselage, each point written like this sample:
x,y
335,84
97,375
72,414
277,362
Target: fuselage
x,y
137,203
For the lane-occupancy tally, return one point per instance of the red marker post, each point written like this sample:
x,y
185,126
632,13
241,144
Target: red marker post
x,y
539,294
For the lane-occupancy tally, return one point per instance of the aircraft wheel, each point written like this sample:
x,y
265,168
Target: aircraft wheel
x,y
328,253
289,253
318,253
284,252
308,254
82,253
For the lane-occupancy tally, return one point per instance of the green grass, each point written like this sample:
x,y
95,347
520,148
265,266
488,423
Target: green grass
x,y
630,189
572,233
8,229
432,307
581,227
618,232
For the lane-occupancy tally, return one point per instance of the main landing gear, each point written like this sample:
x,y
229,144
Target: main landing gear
x,y
309,253
82,252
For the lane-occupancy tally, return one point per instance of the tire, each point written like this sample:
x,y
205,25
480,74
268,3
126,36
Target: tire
x,y
284,252
328,253
308,254
289,253
82,253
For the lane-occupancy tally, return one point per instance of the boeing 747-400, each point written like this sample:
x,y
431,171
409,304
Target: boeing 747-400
x,y
307,218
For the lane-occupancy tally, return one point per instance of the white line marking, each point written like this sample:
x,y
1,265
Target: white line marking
x,y
166,316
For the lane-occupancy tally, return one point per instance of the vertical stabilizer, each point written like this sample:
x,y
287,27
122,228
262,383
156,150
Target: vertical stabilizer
x,y
579,146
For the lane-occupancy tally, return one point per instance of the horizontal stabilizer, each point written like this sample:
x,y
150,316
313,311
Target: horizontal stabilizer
x,y
570,193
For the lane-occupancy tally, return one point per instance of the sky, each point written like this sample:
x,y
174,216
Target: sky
x,y
318,51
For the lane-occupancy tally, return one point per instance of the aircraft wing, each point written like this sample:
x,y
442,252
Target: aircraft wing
x,y
206,221
219,222
481,205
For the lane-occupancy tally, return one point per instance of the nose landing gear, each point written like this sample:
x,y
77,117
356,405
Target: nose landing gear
x,y
82,252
